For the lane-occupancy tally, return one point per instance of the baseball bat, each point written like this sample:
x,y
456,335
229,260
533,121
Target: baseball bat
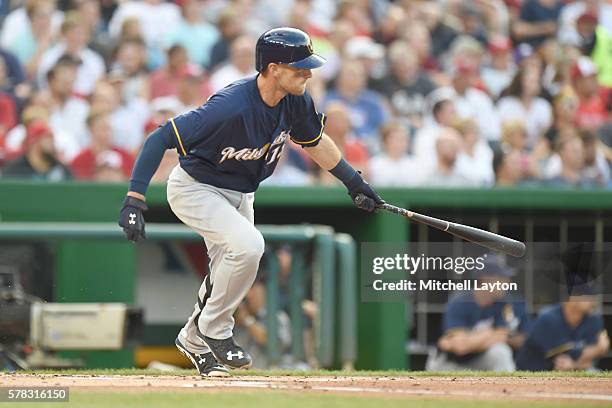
x,y
484,238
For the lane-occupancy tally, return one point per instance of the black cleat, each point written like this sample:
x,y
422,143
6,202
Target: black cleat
x,y
206,364
228,353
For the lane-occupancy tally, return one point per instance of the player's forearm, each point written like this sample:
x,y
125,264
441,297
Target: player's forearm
x,y
463,342
148,161
477,341
516,341
326,154
589,353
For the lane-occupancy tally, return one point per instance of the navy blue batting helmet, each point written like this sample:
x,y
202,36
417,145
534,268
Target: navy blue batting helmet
x,y
288,46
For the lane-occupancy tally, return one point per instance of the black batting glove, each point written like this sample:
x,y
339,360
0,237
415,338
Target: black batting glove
x,y
364,196
131,218
369,199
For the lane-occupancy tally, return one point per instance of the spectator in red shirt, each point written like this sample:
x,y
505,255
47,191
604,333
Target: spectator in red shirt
x,y
109,167
592,108
164,81
39,160
8,110
84,164
8,117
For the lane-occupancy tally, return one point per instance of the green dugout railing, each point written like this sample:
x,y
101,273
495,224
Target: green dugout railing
x,y
320,239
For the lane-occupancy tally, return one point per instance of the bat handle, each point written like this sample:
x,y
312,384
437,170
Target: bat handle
x,y
397,210
360,199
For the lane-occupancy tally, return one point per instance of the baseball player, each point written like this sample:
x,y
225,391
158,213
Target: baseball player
x,y
566,336
227,147
481,328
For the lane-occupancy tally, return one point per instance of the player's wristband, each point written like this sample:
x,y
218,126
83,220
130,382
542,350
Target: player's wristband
x,y
347,174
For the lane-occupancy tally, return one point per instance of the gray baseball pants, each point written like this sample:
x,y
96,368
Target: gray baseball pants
x,y
498,357
225,219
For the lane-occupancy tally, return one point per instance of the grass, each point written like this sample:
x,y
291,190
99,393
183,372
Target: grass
x,y
238,399
359,373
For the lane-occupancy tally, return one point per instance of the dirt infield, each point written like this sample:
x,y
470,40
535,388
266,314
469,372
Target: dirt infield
x,y
492,388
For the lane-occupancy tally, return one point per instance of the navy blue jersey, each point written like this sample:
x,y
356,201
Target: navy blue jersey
x,y
464,313
551,336
234,140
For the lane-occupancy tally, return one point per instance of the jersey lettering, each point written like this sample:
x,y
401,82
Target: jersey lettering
x,y
277,147
243,154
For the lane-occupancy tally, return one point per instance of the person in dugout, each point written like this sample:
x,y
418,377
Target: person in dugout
x,y
482,328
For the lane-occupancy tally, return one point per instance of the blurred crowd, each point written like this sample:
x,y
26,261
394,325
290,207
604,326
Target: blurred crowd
x,y
444,93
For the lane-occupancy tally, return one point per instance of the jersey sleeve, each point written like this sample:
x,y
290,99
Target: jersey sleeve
x,y
150,157
457,316
308,124
520,310
593,328
550,346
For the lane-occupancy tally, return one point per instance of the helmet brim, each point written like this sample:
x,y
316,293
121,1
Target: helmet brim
x,y
311,62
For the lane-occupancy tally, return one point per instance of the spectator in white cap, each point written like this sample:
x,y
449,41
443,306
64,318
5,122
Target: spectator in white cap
x,y
369,53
